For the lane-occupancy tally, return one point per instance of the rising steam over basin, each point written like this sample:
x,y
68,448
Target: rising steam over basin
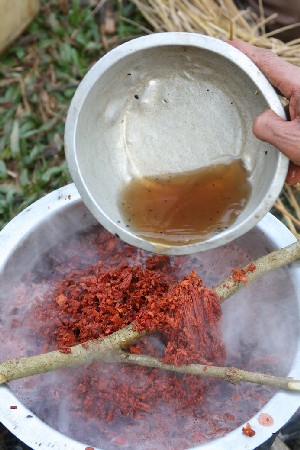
x,y
61,213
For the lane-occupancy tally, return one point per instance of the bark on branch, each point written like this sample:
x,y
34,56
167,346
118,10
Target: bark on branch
x,y
110,348
106,349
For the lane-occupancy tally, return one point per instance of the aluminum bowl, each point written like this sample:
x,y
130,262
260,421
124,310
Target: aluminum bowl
x,y
170,103
56,217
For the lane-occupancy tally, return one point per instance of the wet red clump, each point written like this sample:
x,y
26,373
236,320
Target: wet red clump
x,y
242,274
248,431
182,316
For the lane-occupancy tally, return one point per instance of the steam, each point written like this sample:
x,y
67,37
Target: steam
x,y
259,328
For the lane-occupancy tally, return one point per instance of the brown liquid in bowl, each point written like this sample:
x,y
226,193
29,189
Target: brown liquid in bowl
x,y
183,208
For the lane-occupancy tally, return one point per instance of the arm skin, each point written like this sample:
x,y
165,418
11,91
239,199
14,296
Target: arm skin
x,y
268,126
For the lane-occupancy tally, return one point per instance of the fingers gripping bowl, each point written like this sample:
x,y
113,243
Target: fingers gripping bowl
x,y
171,103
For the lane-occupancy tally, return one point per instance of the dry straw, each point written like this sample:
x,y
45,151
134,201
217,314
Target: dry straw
x,y
222,19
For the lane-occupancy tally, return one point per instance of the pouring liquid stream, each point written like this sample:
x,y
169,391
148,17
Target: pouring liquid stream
x,y
178,209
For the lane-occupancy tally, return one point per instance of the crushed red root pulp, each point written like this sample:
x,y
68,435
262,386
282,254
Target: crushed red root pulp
x,y
248,431
183,316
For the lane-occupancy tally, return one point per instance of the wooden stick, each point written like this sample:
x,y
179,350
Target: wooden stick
x,y
230,374
106,349
263,265
110,348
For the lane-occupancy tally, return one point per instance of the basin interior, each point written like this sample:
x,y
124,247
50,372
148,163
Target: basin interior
x,y
255,332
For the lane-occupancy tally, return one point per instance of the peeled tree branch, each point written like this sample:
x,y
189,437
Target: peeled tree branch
x,y
110,349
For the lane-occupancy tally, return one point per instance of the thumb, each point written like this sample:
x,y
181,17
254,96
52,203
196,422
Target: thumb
x,y
293,176
285,135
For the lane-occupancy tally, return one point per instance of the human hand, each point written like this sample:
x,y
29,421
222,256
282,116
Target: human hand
x,y
268,126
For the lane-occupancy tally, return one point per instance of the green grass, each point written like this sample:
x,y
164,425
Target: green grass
x,y
38,77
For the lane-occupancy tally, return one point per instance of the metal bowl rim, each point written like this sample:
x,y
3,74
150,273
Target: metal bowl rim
x,y
161,40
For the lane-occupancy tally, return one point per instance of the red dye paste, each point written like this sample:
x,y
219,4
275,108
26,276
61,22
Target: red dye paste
x,y
182,316
248,431
239,275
